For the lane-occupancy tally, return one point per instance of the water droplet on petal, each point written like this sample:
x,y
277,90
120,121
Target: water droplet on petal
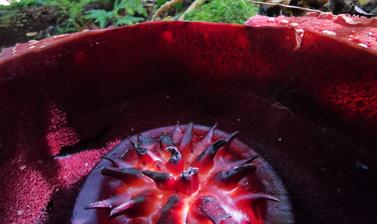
x,y
363,45
329,32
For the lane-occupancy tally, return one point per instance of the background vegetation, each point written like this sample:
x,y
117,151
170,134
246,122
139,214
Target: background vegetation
x,y
23,20
228,11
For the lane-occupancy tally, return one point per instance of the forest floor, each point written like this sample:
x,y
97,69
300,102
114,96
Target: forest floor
x,y
23,20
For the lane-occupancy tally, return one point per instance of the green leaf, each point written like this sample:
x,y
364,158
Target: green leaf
x,y
159,3
128,20
179,6
132,7
99,16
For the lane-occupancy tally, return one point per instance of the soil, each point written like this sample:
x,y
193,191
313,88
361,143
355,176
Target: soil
x,y
21,25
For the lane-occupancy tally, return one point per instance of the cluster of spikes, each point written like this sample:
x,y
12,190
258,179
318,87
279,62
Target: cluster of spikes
x,y
180,177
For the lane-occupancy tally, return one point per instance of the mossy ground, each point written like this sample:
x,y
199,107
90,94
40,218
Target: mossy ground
x,y
227,11
66,16
108,12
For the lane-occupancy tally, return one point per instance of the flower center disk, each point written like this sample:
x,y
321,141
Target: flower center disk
x,y
182,174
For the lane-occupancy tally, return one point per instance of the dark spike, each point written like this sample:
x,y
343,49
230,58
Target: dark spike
x,y
176,156
141,151
143,148
116,162
138,147
250,160
212,209
100,204
188,182
177,134
126,205
258,196
157,176
210,133
109,202
166,141
268,197
132,142
186,139
125,174
163,180
175,165
168,213
231,137
189,173
170,204
146,141
206,141
232,176
210,151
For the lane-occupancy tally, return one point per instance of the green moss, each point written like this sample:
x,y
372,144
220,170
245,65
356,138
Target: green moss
x,y
75,15
22,4
227,11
